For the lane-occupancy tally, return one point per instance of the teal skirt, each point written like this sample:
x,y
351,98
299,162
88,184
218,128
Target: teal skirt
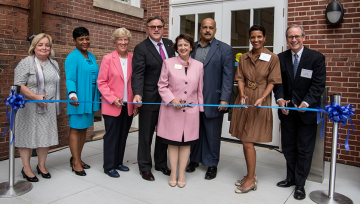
x,y
82,121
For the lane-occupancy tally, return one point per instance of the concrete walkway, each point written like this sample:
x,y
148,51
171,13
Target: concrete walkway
x,y
96,187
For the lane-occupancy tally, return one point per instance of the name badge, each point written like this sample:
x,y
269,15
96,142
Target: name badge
x,y
178,66
306,73
265,57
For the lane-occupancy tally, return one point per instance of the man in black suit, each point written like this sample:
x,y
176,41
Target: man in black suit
x,y
218,60
303,75
146,63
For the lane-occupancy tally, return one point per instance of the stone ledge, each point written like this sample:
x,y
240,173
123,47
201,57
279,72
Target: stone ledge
x,y
119,7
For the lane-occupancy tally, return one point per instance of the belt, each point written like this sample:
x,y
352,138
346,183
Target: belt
x,y
253,85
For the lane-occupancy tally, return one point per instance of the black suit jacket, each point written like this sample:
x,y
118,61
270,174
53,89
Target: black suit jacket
x,y
301,88
218,76
146,65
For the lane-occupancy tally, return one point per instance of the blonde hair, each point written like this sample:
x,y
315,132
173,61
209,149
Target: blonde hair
x,y
36,40
119,33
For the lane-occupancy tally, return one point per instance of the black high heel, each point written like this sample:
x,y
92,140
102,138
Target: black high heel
x,y
85,166
79,173
30,179
47,176
71,158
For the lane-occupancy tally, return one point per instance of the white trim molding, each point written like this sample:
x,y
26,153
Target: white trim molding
x,y
119,7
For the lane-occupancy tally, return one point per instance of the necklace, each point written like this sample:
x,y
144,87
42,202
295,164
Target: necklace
x,y
123,61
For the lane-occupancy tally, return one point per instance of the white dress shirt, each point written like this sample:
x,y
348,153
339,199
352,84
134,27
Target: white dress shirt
x,y
293,59
299,54
123,62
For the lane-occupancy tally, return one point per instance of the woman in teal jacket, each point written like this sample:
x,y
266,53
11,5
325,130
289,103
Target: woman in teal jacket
x,y
81,72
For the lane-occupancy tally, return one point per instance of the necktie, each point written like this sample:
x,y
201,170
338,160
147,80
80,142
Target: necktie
x,y
161,51
296,64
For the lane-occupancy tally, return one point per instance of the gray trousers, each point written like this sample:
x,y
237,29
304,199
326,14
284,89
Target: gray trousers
x,y
207,150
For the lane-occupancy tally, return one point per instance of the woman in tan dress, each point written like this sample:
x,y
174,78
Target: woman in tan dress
x,y
257,72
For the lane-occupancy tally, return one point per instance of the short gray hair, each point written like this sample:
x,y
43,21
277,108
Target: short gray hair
x,y
295,26
119,33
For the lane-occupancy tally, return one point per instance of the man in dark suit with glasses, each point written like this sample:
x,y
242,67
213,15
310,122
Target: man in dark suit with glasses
x,y
303,75
146,63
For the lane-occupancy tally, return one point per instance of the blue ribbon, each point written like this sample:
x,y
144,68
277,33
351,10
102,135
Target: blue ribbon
x,y
15,102
339,114
185,104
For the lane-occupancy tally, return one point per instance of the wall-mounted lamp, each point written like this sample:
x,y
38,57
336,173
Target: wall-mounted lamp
x,y
334,13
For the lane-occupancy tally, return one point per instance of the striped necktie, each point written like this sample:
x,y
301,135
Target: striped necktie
x,y
296,64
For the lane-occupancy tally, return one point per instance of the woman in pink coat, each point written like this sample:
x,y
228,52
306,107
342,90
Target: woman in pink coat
x,y
114,83
181,81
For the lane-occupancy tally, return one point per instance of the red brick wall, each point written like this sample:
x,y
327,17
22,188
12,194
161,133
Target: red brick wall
x,y
161,8
60,17
13,47
341,46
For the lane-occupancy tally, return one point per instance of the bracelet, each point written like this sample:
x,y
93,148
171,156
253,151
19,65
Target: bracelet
x,y
263,97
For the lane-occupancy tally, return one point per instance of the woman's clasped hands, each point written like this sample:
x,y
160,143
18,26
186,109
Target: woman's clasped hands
x,y
176,103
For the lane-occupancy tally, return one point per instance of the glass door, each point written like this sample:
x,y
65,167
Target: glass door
x,y
187,19
237,20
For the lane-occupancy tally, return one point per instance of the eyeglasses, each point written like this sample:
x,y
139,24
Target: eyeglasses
x,y
297,37
154,27
120,40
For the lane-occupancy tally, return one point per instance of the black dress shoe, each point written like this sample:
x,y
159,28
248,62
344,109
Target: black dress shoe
x,y
211,173
147,175
123,168
47,176
165,170
30,179
299,193
112,173
79,173
285,183
192,167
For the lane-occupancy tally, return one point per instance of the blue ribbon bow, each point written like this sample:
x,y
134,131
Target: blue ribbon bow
x,y
339,114
15,102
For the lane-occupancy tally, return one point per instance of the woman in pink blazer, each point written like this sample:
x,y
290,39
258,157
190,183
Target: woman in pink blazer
x,y
181,81
114,83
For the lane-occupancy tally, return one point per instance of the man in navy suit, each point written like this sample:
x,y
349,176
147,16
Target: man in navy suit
x,y
303,76
218,60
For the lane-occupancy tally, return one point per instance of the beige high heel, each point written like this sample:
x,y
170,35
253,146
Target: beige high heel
x,y
240,190
172,183
181,184
240,182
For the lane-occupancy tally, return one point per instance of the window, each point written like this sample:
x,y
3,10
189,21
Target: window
x,y
135,3
129,7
